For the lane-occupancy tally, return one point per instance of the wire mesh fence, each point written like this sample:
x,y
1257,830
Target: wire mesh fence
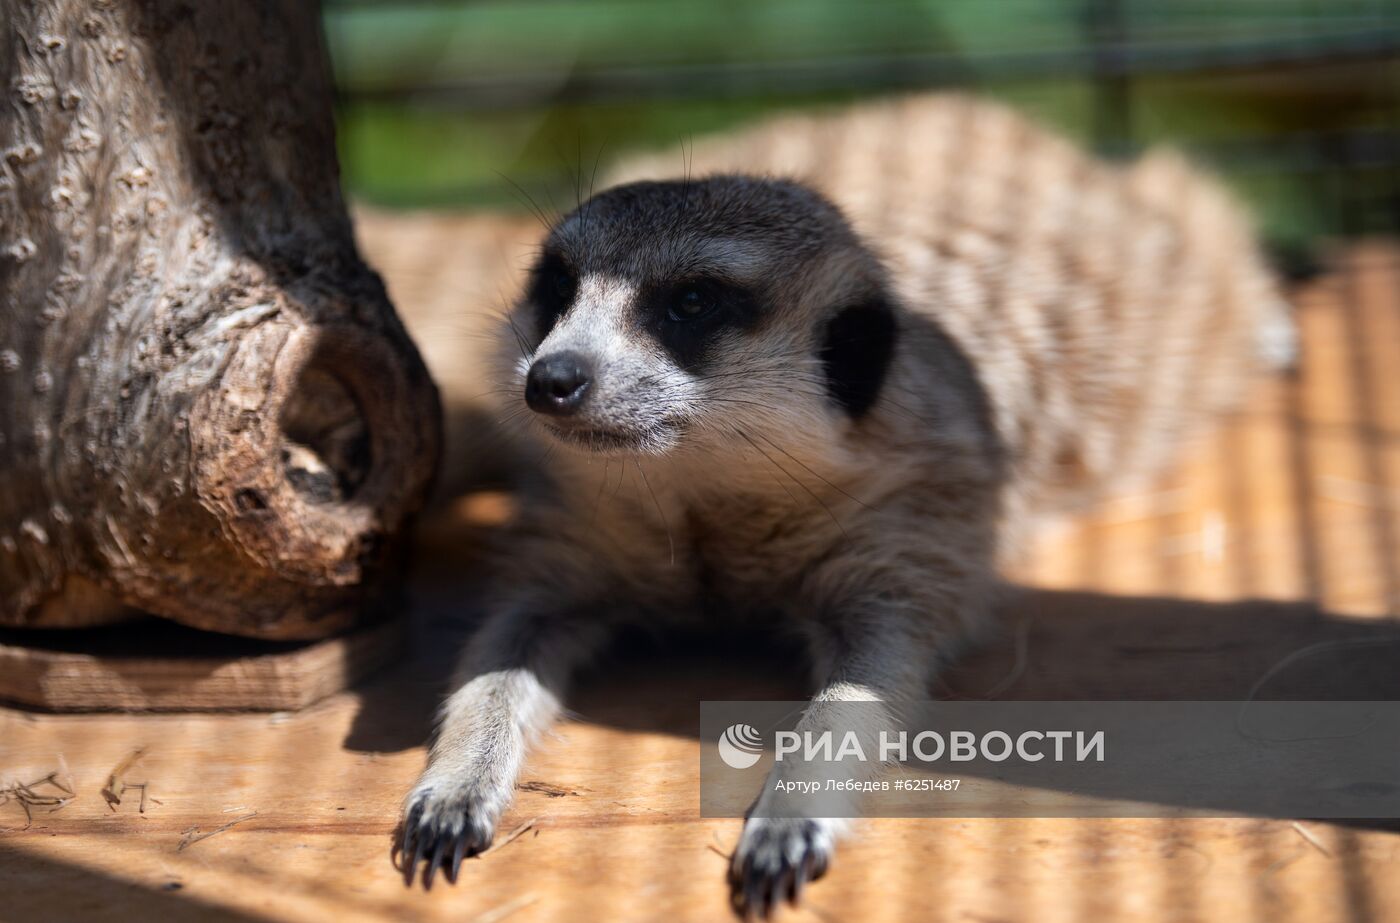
x,y
1296,102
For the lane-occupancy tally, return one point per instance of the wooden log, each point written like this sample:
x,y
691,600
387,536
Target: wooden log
x,y
208,408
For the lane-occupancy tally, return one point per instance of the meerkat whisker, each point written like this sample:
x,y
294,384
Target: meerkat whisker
x,y
743,435
670,539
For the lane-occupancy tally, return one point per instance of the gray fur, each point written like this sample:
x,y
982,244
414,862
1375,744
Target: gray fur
x,y
726,482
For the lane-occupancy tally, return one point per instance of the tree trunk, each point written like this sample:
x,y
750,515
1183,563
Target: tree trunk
x,y
208,408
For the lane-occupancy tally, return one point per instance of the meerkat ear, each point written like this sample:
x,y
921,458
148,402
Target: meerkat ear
x,y
856,352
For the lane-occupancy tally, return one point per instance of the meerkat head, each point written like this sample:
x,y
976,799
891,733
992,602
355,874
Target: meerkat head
x,y
708,313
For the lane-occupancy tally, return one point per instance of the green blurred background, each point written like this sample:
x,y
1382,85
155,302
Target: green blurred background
x,y
454,104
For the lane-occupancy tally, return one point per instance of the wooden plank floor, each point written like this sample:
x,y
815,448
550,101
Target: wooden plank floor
x,y
1280,532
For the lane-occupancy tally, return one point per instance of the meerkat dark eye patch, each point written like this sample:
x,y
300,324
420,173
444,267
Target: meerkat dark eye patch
x,y
856,352
687,315
553,285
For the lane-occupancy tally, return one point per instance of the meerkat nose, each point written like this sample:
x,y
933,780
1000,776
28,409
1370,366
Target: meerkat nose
x,y
558,384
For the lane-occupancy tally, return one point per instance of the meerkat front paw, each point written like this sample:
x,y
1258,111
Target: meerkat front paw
x,y
775,858
443,824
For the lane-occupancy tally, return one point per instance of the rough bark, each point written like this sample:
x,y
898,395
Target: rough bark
x,y
208,408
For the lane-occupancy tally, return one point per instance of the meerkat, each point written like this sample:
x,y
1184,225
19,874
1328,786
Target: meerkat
x,y
842,374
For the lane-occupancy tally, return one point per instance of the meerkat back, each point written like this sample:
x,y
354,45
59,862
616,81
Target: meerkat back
x,y
1109,311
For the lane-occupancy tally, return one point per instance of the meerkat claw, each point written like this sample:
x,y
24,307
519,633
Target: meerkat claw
x,y
774,861
440,837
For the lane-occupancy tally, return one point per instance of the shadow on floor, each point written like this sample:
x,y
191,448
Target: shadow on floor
x,y
41,889
1051,646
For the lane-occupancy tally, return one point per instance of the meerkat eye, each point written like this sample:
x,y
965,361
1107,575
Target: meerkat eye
x,y
690,314
553,289
562,281
691,302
